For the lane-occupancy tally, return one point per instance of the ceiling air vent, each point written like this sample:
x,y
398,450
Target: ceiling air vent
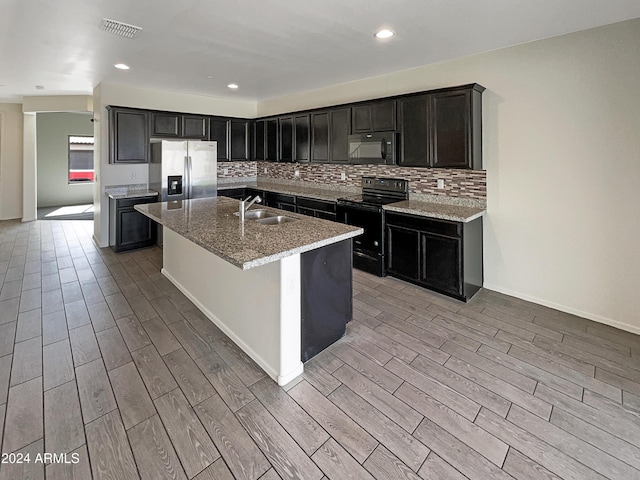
x,y
119,28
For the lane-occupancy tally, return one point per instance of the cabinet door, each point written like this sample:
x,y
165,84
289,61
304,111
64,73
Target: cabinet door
x,y
301,135
320,137
135,229
361,119
441,262
239,142
165,125
286,139
383,116
128,135
259,140
374,117
195,126
450,129
403,252
219,130
339,124
271,134
414,131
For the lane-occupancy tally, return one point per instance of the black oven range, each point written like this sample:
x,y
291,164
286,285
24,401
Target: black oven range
x,y
365,211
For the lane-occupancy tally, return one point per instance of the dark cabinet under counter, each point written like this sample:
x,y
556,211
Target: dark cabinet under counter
x,y
442,255
129,228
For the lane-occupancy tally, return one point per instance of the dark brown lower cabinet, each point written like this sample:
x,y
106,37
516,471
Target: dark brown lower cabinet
x,y
280,200
131,228
441,255
316,208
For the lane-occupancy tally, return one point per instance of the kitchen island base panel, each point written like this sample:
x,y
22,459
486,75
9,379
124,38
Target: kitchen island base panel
x,y
259,308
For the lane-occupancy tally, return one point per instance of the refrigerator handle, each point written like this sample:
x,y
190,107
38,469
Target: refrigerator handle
x,y
187,178
190,176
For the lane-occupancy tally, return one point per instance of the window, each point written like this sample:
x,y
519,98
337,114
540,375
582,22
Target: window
x,y
80,159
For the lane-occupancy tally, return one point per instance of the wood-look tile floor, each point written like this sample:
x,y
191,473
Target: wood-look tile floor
x,y
102,359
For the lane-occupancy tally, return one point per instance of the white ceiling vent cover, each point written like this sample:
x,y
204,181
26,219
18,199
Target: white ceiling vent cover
x,y
119,28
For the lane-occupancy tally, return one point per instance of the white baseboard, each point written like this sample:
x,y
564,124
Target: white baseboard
x,y
563,308
95,240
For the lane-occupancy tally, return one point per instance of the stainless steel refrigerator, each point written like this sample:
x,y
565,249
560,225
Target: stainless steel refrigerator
x,y
181,170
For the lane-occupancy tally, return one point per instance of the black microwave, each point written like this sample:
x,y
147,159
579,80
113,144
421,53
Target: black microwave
x,y
375,147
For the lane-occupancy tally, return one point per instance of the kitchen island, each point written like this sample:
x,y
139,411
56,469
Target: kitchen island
x,y
273,289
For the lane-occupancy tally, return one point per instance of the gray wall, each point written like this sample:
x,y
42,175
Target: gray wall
x,y
52,132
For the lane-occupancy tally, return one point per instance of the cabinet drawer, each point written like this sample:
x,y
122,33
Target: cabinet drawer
x,y
439,227
130,202
315,204
272,197
237,193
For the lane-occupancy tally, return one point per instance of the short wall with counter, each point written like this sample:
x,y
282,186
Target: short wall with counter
x,y
251,279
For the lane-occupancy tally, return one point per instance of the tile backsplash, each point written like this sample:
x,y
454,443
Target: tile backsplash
x,y
424,181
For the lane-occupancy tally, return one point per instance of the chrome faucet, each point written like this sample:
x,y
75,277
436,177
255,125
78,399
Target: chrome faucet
x,y
244,206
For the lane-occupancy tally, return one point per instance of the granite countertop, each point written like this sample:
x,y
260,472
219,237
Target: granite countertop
x,y
302,190
211,224
137,190
434,209
445,208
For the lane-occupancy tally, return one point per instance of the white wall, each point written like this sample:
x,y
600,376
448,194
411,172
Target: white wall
x,y
52,133
562,154
124,96
11,125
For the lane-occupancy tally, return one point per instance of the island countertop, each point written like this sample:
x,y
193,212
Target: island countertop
x,y
211,224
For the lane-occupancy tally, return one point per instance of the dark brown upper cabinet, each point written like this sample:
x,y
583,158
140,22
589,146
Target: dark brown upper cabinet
x,y
128,135
374,117
165,125
301,148
179,125
259,140
285,128
194,126
240,139
339,131
442,129
271,147
413,119
320,137
456,128
219,132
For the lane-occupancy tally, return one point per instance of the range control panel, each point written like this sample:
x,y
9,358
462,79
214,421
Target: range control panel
x,y
383,185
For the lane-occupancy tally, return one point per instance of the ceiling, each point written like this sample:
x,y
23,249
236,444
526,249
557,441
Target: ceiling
x,y
270,48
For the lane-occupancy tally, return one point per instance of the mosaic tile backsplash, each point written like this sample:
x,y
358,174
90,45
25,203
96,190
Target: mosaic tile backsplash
x,y
422,181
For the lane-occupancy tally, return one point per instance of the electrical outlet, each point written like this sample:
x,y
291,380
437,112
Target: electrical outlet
x,y
440,183
133,175
296,173
343,176
265,170
225,171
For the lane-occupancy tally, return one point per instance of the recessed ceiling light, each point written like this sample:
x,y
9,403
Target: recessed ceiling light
x,y
39,87
121,66
233,86
209,77
384,33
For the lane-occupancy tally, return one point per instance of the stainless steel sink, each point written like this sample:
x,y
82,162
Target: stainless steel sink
x,y
275,220
257,214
